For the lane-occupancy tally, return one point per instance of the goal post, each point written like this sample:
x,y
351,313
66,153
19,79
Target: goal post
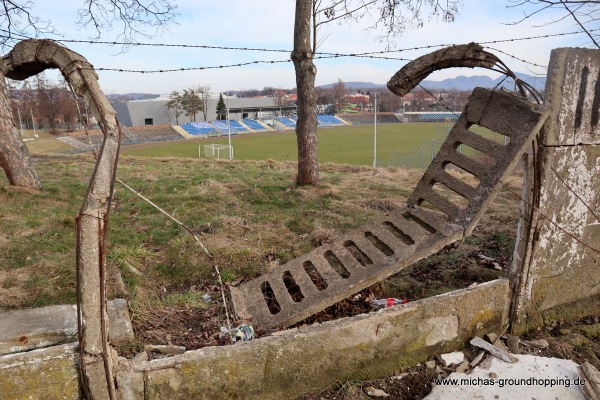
x,y
218,151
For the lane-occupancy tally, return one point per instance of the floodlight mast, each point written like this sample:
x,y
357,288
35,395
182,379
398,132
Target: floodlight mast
x,y
375,135
228,128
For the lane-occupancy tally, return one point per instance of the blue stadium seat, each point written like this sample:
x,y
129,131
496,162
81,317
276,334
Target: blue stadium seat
x,y
328,120
237,127
287,122
198,128
219,125
254,125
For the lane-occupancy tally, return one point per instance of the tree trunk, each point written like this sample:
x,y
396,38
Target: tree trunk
x,y
306,72
14,155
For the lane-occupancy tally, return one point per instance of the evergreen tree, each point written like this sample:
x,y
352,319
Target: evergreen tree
x,y
221,108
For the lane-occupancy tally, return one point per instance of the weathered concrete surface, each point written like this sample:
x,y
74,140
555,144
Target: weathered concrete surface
x,y
558,278
554,379
298,294
502,112
24,330
375,264
301,361
49,374
573,93
28,58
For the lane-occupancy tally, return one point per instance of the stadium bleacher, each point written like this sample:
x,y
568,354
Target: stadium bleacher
x,y
328,120
92,139
437,117
237,127
287,122
220,125
254,125
363,118
198,128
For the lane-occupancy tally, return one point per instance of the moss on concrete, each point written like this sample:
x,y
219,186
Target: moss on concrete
x,y
363,347
49,374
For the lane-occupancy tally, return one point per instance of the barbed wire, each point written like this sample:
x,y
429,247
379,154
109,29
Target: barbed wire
x,y
151,71
239,48
321,55
516,58
326,55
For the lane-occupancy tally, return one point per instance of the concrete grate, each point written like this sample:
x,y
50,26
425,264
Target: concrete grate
x,y
310,283
498,111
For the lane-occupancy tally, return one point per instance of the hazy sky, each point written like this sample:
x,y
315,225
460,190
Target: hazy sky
x,y
268,24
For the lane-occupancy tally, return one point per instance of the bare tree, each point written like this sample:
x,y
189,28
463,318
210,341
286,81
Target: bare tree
x,y
280,97
394,17
340,95
175,105
584,13
129,17
203,92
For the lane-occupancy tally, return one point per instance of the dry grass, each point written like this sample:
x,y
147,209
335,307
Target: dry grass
x,y
257,218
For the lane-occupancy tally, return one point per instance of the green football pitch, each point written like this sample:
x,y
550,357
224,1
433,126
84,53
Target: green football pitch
x,y
397,145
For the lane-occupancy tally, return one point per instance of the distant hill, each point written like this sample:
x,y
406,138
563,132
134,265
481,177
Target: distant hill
x,y
459,83
132,96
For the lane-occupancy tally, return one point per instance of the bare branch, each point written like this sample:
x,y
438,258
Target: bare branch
x,y
583,12
579,23
18,22
133,17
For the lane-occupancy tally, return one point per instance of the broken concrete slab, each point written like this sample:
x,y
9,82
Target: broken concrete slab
x,y
50,373
330,273
531,377
367,346
453,358
23,330
502,112
493,350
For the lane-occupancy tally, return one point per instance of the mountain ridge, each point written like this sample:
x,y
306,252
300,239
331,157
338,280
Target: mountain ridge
x,y
461,82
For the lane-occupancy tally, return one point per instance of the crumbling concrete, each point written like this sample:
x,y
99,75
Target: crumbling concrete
x,y
556,265
298,361
310,283
51,373
293,362
25,330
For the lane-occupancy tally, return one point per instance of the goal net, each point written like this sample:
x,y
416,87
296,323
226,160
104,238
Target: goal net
x,y
218,151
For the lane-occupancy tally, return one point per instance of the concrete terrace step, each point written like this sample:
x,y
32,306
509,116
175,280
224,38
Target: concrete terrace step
x,y
24,330
308,284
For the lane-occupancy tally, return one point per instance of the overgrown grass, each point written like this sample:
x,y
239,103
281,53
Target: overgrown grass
x,y
248,214
258,219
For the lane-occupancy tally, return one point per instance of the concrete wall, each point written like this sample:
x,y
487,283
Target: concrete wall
x,y
558,278
286,365
134,113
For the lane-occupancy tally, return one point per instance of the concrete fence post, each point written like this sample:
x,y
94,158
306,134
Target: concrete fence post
x,y
555,272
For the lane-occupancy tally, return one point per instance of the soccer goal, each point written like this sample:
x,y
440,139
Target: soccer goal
x,y
218,151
